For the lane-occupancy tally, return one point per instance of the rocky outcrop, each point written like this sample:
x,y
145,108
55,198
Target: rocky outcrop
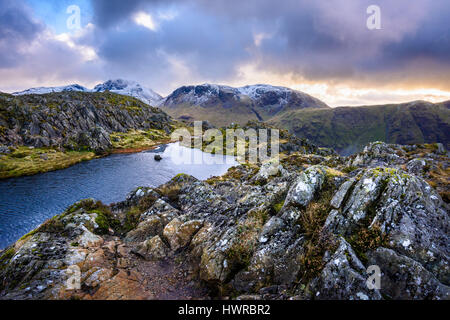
x,y
323,227
74,120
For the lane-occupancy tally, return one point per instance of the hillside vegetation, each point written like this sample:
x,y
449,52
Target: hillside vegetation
x,y
51,131
348,129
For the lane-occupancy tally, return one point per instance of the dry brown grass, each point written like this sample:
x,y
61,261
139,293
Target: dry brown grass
x,y
318,241
171,191
243,247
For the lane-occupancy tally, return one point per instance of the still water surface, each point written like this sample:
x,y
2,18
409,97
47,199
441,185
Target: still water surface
x,y
26,202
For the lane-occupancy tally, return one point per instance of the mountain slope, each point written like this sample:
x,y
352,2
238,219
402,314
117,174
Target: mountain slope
x,y
120,86
222,105
74,119
129,88
348,129
44,90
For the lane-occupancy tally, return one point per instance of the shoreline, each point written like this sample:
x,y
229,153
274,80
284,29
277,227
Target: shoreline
x,y
83,157
140,149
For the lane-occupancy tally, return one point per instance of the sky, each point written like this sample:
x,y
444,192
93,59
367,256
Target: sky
x,y
322,47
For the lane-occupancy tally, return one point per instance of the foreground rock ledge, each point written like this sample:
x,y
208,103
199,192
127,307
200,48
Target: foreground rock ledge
x,y
308,230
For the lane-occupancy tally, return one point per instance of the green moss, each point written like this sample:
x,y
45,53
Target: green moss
x,y
27,161
102,222
53,225
105,219
7,255
170,190
277,206
349,169
132,218
29,234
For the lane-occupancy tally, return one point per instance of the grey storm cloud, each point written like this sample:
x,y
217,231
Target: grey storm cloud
x,y
207,44
110,12
17,28
320,40
209,40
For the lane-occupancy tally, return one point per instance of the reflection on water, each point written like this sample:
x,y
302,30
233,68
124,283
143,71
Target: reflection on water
x,y
26,202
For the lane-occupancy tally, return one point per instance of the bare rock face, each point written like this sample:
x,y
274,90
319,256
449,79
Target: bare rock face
x,y
307,184
343,277
96,139
153,249
405,278
186,231
315,231
170,231
406,210
148,228
74,120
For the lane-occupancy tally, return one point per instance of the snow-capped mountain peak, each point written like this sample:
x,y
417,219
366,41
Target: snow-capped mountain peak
x,y
262,95
129,88
256,90
43,90
120,86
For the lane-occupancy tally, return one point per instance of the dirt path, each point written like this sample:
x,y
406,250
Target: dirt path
x,y
130,277
170,281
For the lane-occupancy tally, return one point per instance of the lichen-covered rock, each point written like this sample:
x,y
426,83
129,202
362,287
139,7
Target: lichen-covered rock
x,y
270,228
311,232
416,166
186,231
339,196
267,170
306,185
343,277
170,231
360,202
405,278
4,150
179,234
273,263
146,229
152,249
96,139
75,120
379,154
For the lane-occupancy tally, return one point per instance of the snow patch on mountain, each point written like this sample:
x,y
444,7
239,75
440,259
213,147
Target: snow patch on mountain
x,y
255,91
260,94
199,94
119,86
43,90
129,88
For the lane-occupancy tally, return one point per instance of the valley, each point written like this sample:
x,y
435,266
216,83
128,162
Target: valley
x,y
305,228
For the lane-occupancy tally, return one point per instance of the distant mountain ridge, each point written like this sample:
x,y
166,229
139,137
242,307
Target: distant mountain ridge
x,y
120,86
219,104
222,105
44,90
348,129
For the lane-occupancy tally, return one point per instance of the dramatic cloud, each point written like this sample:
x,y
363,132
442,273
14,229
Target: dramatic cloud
x,y
32,55
17,28
322,47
